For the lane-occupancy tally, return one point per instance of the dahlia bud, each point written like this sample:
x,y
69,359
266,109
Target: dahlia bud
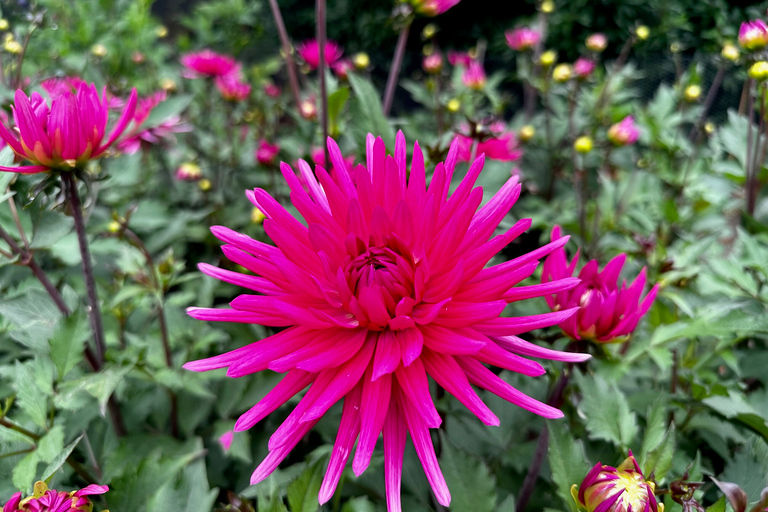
x,y
3,24
730,52
272,90
526,133
548,58
522,38
561,73
168,84
583,144
188,171
361,60
583,67
474,76
429,31
50,500
308,109
709,128
597,42
624,132
453,105
642,32
621,489
257,216
547,7
161,31
137,57
204,184
114,227
12,46
99,50
759,71
692,93
432,64
753,35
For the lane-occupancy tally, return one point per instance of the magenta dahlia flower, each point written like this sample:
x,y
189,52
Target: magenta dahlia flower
x,y
207,63
309,51
266,152
583,67
49,500
597,42
66,135
607,313
459,58
384,286
474,76
621,489
522,38
232,86
433,63
501,146
342,68
624,132
753,35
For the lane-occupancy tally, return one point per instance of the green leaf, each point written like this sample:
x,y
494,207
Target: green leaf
x,y
360,504
190,492
606,411
6,160
51,444
718,506
508,505
654,430
60,459
372,119
168,108
302,492
50,228
659,460
32,400
336,102
471,484
566,458
67,343
24,472
34,316
735,407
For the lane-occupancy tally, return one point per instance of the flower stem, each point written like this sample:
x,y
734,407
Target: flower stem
x,y
711,94
394,70
752,183
529,90
321,41
94,312
285,41
748,171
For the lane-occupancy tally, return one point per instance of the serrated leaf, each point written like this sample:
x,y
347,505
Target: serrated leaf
x,y
51,444
373,119
190,492
302,492
24,472
472,486
67,343
50,228
566,459
508,505
32,400
34,316
60,459
655,428
659,460
606,411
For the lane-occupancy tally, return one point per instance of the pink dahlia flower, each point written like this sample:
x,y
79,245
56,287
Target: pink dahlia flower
x,y
383,287
49,500
621,489
433,63
597,42
66,135
607,313
342,67
753,35
583,67
522,38
474,76
272,90
143,135
266,152
459,58
433,7
207,63
58,86
310,52
232,86
502,146
624,132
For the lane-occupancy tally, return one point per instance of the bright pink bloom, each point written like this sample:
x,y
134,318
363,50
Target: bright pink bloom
x,y
433,63
583,67
382,285
67,134
523,38
226,440
50,500
624,132
142,134
474,76
232,86
310,52
433,7
207,63
597,42
272,90
621,489
501,147
753,35
266,152
342,67
459,58
607,313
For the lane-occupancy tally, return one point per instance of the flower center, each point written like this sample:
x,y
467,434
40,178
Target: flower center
x,y
635,489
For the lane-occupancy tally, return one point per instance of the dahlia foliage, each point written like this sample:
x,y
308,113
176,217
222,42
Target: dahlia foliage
x,y
68,133
384,287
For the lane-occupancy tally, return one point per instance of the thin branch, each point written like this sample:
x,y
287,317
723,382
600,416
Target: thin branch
x,y
285,41
321,41
394,70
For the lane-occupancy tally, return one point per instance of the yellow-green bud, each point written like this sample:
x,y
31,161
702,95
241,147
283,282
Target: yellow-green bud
x,y
429,31
168,84
758,71
547,6
13,46
453,105
361,60
3,24
114,227
257,216
99,50
561,73
675,48
583,144
642,32
730,52
161,31
548,58
692,93
204,184
709,128
526,133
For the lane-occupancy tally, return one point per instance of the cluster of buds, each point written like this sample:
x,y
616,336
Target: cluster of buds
x,y
50,500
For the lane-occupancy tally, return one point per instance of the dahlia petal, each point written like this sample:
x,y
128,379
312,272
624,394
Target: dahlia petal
x,y
244,242
11,139
414,384
494,287
489,216
92,490
465,314
450,164
422,442
292,383
340,168
447,373
233,315
482,377
449,341
417,180
476,260
279,453
411,341
122,124
426,313
491,353
295,249
25,169
349,427
610,272
462,192
537,290
340,350
532,256
388,354
525,348
518,325
394,448
265,269
317,192
400,156
254,283
29,127
373,413
263,352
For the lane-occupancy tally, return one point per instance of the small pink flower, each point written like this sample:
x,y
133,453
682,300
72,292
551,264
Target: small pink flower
x,y
621,489
502,147
474,76
232,85
624,132
523,38
226,440
66,135
266,152
310,52
583,67
207,63
272,90
142,135
433,63
50,500
433,7
459,58
753,35
342,67
597,42
607,313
